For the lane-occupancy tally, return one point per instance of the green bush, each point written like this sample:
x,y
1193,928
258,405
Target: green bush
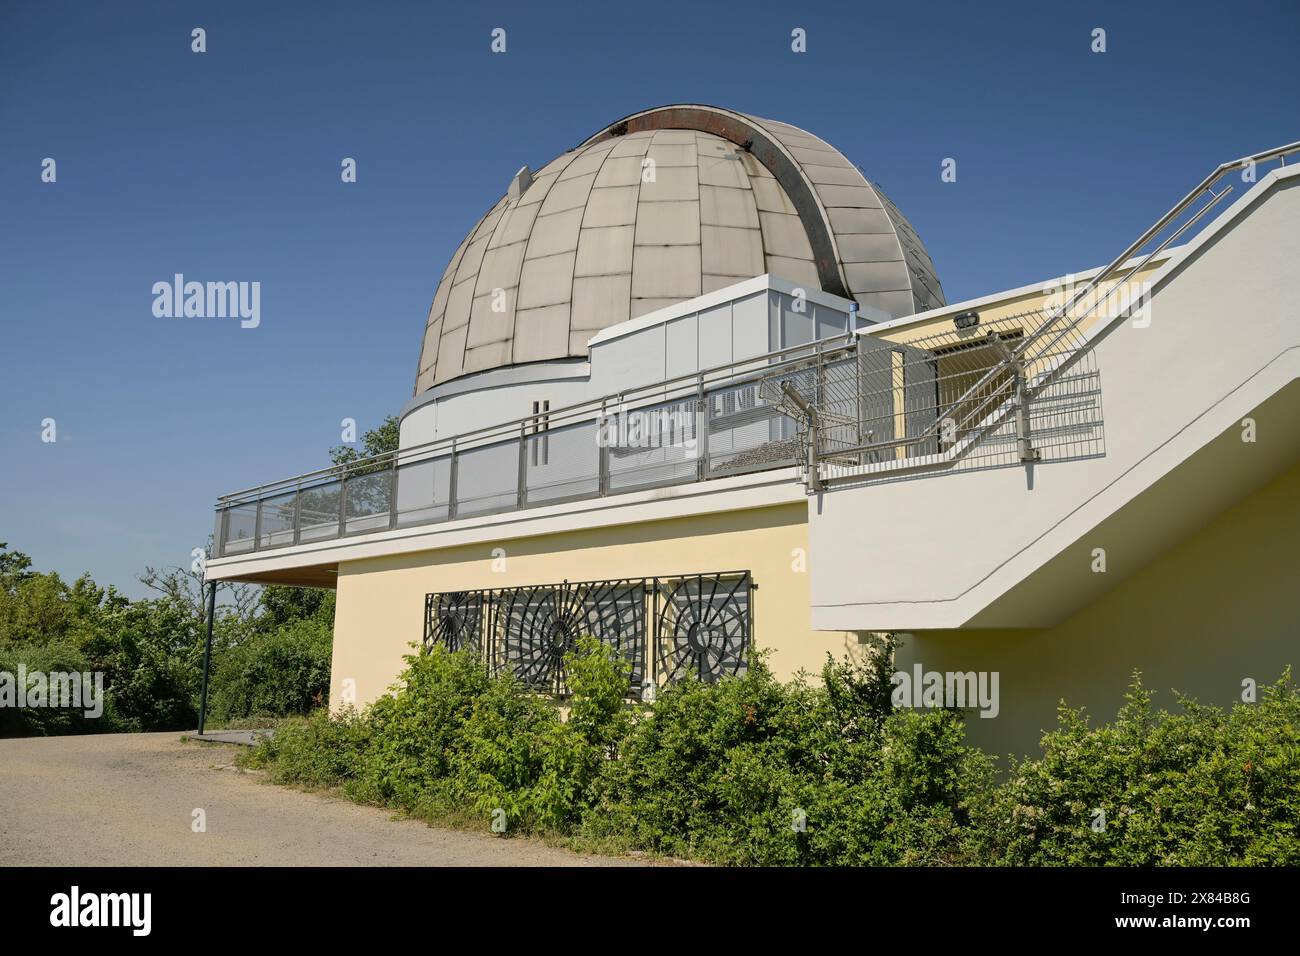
x,y
753,771
316,751
50,721
1201,787
274,674
417,731
750,770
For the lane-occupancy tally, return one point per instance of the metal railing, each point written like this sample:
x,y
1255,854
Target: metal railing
x,y
1022,389
948,399
706,425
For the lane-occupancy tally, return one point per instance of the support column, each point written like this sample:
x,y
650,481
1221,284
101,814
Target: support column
x,y
207,655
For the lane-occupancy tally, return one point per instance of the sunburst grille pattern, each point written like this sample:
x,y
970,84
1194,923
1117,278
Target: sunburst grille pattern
x,y
666,629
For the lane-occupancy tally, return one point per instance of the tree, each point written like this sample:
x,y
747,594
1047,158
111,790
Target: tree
x,y
14,565
379,440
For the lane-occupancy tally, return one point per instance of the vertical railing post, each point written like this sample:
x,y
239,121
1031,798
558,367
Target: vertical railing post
x,y
703,411
453,468
602,452
257,526
521,476
343,501
860,376
1024,440
297,514
207,656
652,635
392,495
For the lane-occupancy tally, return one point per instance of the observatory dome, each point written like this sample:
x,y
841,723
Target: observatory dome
x,y
660,207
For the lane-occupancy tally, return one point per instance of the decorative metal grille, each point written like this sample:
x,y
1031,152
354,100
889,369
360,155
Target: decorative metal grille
x,y
666,629
702,627
454,619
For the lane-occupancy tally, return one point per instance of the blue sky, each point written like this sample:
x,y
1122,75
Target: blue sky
x,y
225,166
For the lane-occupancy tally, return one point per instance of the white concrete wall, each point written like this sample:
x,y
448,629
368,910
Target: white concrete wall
x,y
933,552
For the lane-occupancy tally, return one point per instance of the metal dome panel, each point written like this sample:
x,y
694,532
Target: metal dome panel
x,y
590,241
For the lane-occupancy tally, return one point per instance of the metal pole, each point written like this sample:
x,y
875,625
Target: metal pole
x,y
392,495
343,502
603,439
814,437
521,471
1027,450
453,468
207,656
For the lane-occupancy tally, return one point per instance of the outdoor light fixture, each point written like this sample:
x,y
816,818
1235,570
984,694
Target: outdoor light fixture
x,y
966,320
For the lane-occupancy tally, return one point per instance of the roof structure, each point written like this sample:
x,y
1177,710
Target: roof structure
x,y
655,209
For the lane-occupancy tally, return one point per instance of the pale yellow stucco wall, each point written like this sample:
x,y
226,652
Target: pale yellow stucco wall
x,y
1050,295
1219,607
381,601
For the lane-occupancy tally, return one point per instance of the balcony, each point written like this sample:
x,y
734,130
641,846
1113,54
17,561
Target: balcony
x,y
719,422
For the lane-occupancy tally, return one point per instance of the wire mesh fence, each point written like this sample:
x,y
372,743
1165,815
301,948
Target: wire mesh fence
x,y
992,394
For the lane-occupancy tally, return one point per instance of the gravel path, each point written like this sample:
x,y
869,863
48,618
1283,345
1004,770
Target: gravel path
x,y
129,799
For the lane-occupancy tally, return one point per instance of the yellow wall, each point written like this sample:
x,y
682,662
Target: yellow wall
x,y
381,601
1216,609
1051,295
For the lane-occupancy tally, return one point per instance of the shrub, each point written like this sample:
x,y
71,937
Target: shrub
x,y
283,672
316,751
500,760
49,721
750,770
576,751
1200,787
417,731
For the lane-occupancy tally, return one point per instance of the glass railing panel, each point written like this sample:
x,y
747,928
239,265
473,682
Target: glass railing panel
x,y
653,446
423,490
562,464
240,528
369,499
319,512
277,520
487,479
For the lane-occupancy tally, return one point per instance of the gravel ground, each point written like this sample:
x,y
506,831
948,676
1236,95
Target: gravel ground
x,y
129,799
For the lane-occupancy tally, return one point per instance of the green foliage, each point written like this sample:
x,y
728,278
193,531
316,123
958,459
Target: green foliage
x,y
1200,787
279,606
14,565
417,732
285,670
753,771
501,755
149,652
379,440
271,656
47,721
319,750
